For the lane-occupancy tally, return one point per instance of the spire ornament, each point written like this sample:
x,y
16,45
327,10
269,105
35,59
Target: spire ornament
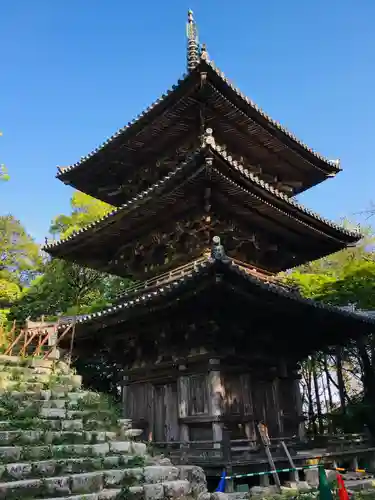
x,y
217,250
192,42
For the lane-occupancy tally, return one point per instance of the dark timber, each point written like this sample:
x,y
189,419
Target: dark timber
x,y
208,341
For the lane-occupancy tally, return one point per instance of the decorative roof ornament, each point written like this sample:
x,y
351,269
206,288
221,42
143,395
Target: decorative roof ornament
x,y
204,54
192,42
217,250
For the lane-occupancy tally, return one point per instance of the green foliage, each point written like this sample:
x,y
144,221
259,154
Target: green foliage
x,y
3,170
9,292
4,176
85,210
65,288
346,277
20,256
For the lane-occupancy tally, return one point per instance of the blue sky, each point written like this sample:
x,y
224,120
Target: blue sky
x,y
73,72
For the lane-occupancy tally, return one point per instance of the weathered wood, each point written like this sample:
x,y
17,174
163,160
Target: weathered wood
x,y
216,395
183,397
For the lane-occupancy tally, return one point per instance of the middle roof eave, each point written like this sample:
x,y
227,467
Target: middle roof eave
x,y
271,196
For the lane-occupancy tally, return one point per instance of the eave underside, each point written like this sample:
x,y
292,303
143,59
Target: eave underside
x,y
127,164
176,223
223,309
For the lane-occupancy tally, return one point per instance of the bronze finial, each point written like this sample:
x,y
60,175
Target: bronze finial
x,y
217,250
204,53
192,42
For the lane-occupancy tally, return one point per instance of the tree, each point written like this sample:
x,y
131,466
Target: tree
x,y
85,210
20,258
65,287
3,171
341,279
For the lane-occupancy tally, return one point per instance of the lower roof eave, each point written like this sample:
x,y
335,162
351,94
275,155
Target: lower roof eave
x,y
351,323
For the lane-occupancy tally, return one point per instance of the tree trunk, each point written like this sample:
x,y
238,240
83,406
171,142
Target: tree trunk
x,y
330,400
340,379
312,418
368,385
318,403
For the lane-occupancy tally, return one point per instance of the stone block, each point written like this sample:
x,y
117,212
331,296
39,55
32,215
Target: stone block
x,y
113,477
218,495
19,470
110,494
41,363
120,446
57,486
75,381
153,491
196,477
132,433
8,453
76,396
25,488
87,483
9,360
312,477
204,496
55,403
45,394
45,467
58,391
261,491
138,449
125,423
53,413
72,425
100,449
111,461
177,489
98,436
136,493
159,474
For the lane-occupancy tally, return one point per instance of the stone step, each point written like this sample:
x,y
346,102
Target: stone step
x,y
63,413
46,395
48,468
11,454
35,362
7,386
105,494
94,482
57,424
29,437
69,402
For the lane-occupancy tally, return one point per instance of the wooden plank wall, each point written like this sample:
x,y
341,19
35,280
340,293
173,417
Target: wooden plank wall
x,y
198,395
244,397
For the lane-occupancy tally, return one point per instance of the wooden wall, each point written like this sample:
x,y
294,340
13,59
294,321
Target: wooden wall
x,y
243,400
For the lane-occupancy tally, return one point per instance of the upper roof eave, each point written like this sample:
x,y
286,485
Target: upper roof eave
x,y
329,166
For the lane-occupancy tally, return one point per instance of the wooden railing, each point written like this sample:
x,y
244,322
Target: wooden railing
x,y
180,271
218,453
162,279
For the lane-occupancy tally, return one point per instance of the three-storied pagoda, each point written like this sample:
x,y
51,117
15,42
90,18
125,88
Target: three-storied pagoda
x,y
203,184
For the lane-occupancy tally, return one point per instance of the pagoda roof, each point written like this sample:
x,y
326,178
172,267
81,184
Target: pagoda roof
x,y
321,325
83,245
140,141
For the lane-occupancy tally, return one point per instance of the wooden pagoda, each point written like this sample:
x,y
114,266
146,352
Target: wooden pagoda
x,y
203,184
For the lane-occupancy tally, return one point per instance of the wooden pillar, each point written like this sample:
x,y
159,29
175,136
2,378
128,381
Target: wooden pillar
x,y
215,392
183,397
124,396
299,409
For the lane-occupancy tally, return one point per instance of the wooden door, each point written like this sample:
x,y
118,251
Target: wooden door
x,y
166,413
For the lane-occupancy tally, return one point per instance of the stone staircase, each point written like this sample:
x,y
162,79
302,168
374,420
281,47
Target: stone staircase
x,y
58,441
